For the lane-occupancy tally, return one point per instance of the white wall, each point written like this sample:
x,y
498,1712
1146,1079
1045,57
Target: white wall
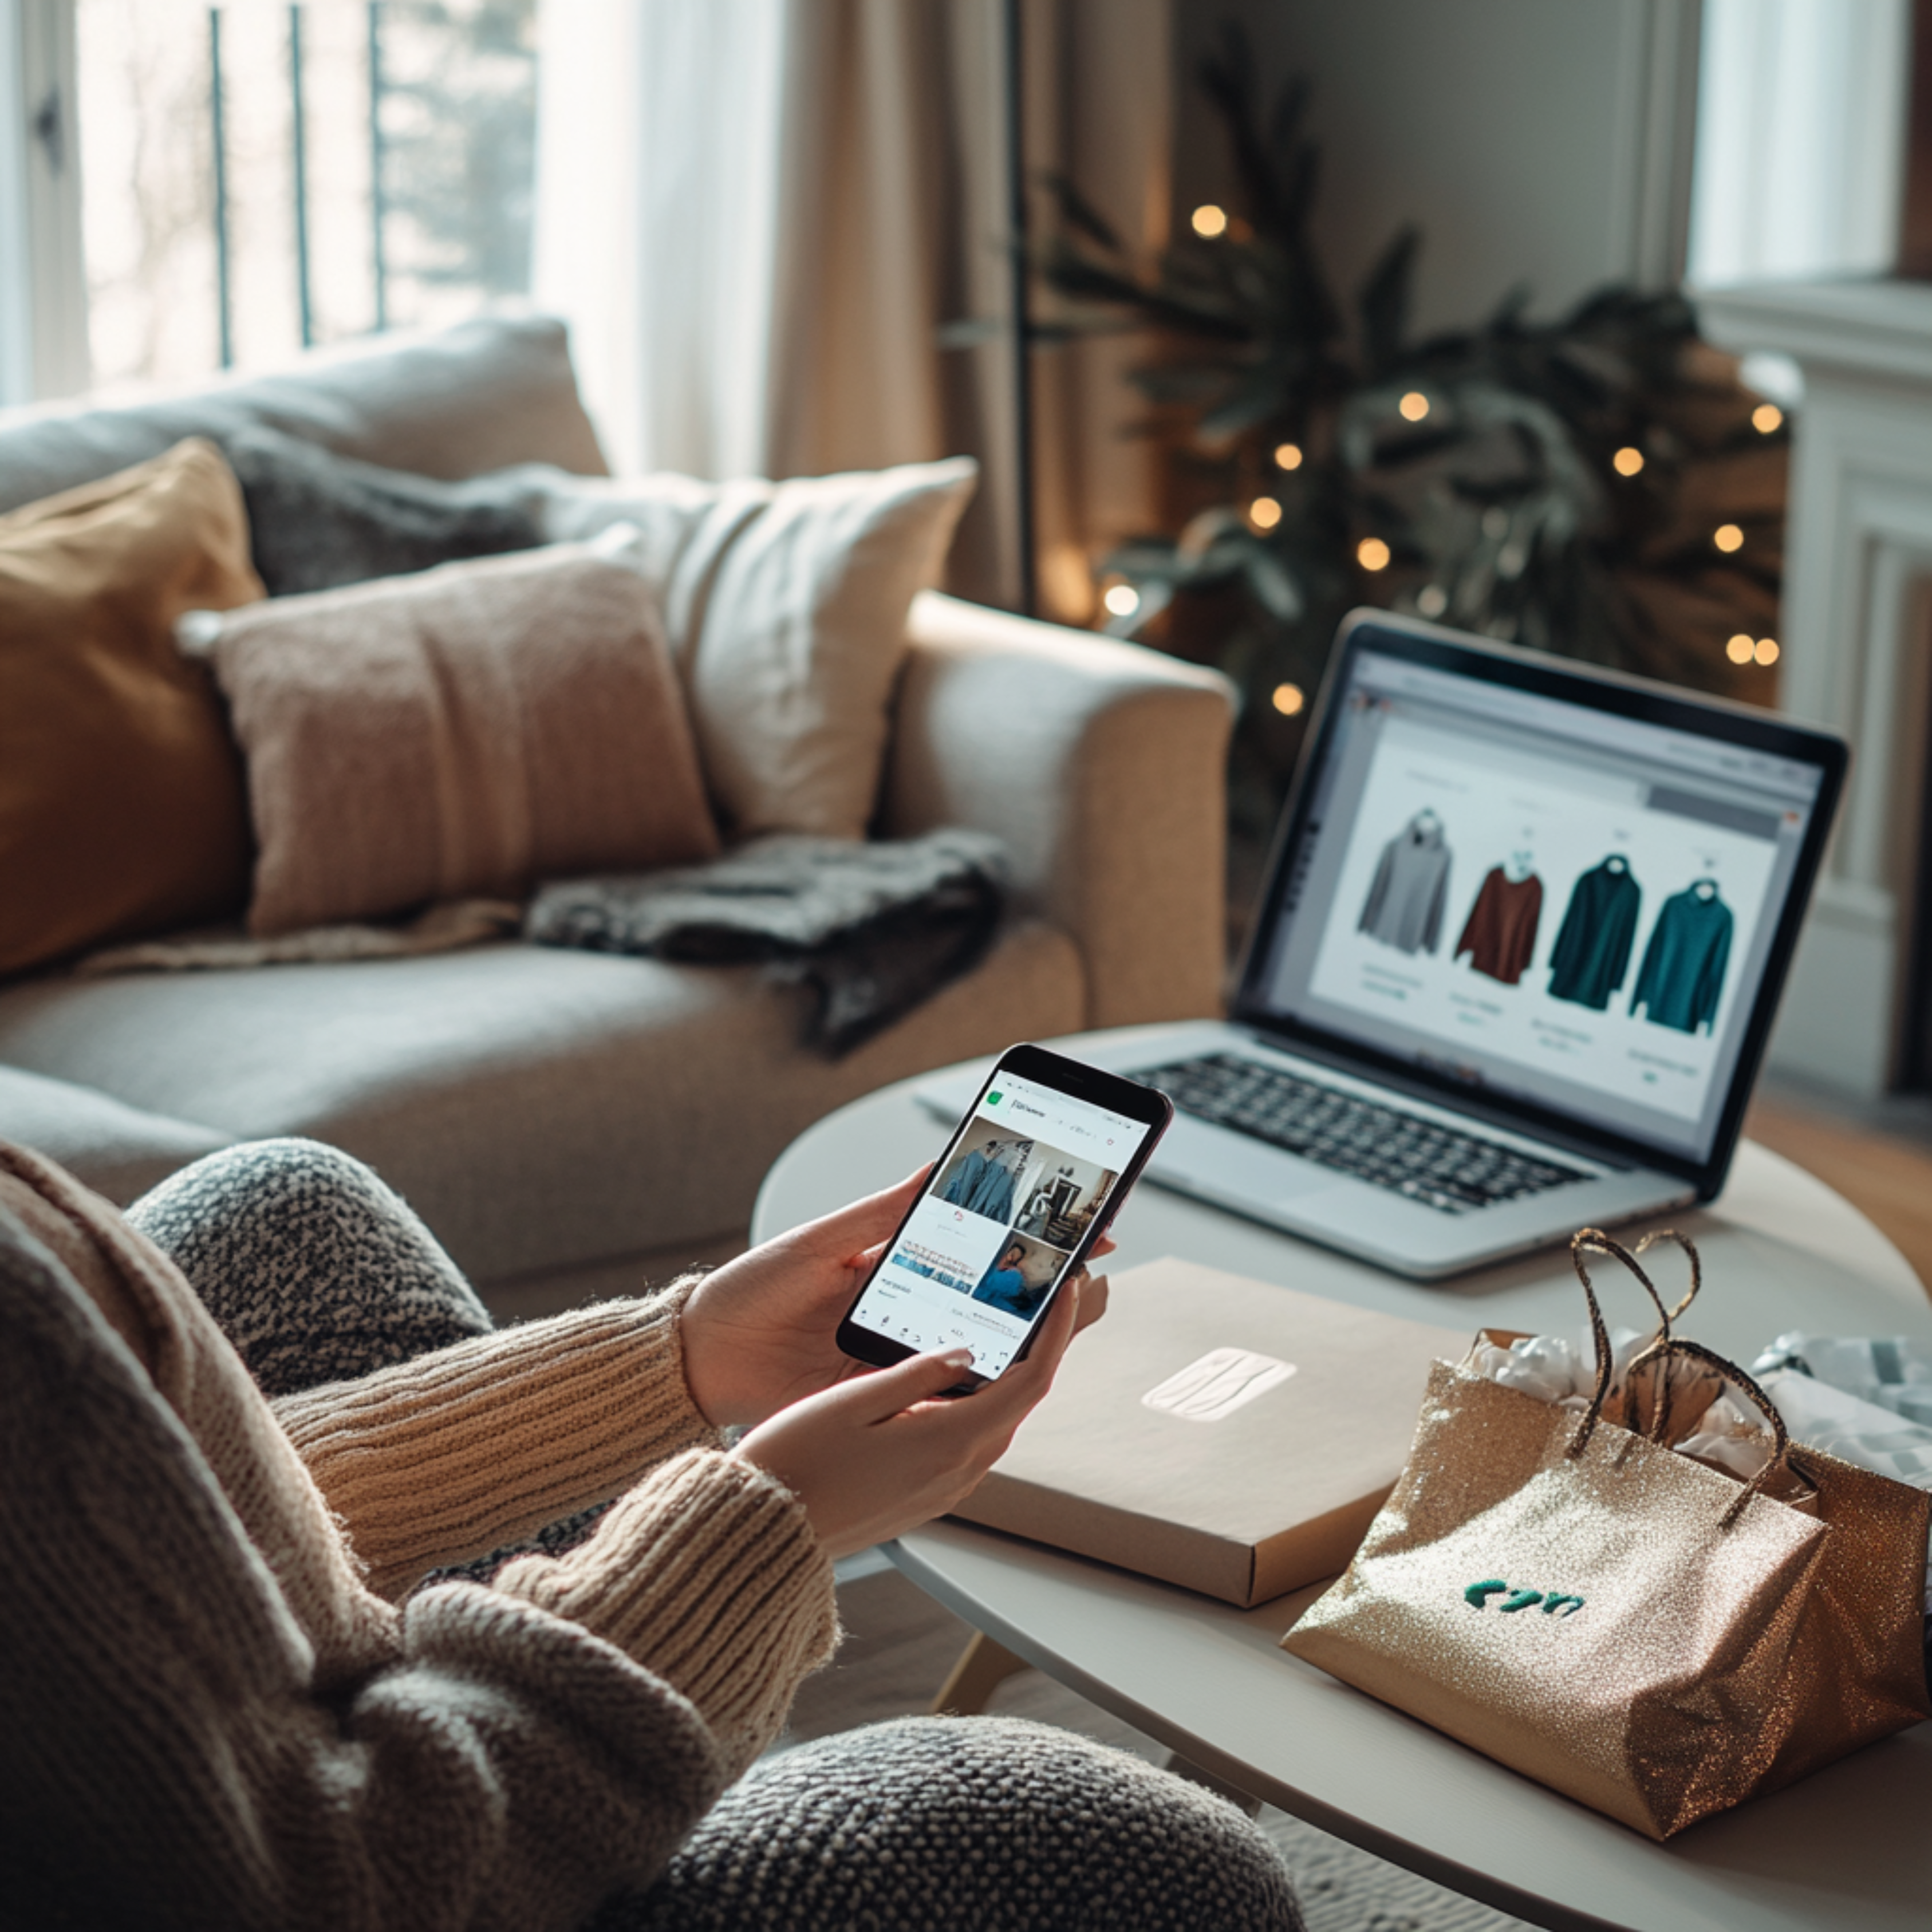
x,y
1544,141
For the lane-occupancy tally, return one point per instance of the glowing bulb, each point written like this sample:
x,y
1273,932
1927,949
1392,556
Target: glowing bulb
x,y
1413,406
1210,221
1372,553
1264,513
1288,456
1432,600
1627,461
1739,650
1766,651
1122,599
1728,537
1289,699
1766,418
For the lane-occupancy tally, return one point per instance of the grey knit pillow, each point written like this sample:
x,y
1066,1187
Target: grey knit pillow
x,y
317,521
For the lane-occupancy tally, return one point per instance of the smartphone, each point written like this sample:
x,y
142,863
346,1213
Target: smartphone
x,y
1028,1182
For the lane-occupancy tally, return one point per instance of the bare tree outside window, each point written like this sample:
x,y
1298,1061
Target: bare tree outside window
x,y
257,177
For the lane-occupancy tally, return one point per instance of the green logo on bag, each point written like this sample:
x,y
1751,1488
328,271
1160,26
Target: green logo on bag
x,y
1554,1602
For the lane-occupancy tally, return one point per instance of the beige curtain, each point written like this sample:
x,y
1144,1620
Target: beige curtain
x,y
759,214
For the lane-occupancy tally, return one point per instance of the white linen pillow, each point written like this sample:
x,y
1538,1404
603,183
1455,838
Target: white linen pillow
x,y
784,605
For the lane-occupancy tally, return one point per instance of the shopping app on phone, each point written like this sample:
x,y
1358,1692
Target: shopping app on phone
x,y
999,1222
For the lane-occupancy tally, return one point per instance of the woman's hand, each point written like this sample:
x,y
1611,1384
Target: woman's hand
x,y
760,1332
882,1453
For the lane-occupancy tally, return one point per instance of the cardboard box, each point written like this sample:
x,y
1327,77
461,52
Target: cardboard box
x,y
1222,1433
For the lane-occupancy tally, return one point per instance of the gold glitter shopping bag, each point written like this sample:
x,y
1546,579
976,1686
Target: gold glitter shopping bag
x,y
1644,1633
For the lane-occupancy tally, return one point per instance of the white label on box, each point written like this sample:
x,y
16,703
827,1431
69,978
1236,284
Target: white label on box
x,y
1222,1381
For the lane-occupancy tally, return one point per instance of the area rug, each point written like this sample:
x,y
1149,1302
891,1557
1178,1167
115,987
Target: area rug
x,y
899,1646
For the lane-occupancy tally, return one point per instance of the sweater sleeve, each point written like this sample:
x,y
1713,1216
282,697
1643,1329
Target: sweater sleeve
x,y
1711,978
164,1745
454,1454
709,1572
479,1762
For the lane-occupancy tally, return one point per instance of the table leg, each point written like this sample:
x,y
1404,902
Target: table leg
x,y
983,1667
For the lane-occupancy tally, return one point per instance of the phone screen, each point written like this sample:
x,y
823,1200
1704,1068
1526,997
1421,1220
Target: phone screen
x,y
1031,1172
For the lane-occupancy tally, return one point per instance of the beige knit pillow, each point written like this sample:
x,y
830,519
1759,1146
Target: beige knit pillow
x,y
785,606
465,730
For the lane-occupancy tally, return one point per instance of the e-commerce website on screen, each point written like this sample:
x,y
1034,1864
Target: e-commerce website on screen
x,y
1573,907
999,1222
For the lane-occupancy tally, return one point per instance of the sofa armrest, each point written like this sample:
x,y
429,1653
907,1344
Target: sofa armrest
x,y
1103,766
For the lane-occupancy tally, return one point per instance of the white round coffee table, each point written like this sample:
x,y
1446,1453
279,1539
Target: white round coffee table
x,y
1847,1850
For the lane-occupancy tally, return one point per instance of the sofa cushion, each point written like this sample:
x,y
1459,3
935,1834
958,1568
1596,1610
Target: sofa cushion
x,y
494,391
117,1151
316,519
785,604
462,732
539,1108
121,809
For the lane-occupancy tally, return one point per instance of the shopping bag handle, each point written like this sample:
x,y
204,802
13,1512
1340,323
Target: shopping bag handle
x,y
1661,1349
1745,1384
1588,1240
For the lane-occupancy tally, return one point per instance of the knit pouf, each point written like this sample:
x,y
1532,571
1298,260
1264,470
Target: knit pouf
x,y
966,1825
315,1269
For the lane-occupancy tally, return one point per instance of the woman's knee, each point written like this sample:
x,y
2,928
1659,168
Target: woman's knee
x,y
236,1183
312,1265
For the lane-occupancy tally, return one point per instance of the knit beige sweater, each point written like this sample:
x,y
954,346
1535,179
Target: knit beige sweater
x,y
218,1705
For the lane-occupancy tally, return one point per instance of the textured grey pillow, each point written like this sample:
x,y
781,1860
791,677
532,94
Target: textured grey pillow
x,y
318,521
491,391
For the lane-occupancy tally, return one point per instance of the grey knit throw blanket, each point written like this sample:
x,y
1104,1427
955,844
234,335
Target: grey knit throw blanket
x,y
872,927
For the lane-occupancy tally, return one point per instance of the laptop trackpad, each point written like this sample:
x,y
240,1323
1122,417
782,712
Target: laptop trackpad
x,y
1196,1155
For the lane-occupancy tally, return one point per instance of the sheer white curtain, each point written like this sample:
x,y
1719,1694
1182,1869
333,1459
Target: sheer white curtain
x,y
1801,138
732,212
757,214
658,180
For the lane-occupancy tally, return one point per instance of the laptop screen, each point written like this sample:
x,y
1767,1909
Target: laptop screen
x,y
1563,892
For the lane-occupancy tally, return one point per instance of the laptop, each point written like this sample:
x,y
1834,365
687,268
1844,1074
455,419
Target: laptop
x,y
1521,943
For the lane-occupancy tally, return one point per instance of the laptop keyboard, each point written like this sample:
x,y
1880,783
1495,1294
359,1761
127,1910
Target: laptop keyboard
x,y
1450,1171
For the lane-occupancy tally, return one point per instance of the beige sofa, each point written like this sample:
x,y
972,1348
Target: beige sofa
x,y
564,1119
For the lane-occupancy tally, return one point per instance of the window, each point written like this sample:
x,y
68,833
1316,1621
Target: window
x,y
43,298
257,178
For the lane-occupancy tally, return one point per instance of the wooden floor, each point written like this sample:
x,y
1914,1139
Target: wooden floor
x,y
1888,1175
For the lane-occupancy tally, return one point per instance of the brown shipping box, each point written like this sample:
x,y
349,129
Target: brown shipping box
x,y
1225,1434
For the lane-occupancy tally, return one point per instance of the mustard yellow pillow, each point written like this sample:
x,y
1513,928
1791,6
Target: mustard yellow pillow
x,y
123,808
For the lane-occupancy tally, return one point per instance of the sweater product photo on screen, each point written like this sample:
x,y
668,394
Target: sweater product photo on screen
x,y
1499,935
1682,976
1404,907
1592,951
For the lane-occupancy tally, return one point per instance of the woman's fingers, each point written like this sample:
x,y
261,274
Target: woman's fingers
x,y
1029,1378
1093,1294
867,1259
872,1456
886,1393
879,1455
